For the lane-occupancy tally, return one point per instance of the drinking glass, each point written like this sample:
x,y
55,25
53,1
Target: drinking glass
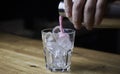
x,y
57,50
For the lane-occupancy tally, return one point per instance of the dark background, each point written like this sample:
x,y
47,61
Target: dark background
x,y
28,17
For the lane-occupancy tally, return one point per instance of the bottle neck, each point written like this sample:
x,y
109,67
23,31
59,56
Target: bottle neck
x,y
61,9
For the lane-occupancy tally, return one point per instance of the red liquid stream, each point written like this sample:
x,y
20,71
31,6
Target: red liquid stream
x,y
61,23
61,34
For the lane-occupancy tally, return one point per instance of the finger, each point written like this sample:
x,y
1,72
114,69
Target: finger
x,y
100,8
89,12
68,8
77,13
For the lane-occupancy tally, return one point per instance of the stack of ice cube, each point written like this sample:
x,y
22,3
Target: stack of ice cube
x,y
56,42
58,46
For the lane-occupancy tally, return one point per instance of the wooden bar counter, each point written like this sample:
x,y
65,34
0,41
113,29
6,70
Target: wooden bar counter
x,y
20,55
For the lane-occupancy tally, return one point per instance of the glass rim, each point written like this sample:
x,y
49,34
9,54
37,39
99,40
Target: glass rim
x,y
50,30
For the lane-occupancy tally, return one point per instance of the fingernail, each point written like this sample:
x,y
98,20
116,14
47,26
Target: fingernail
x,y
68,12
68,15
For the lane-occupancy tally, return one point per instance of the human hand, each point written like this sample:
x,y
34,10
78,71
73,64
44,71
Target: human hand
x,y
87,13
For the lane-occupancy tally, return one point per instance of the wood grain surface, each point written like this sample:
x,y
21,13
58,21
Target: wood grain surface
x,y
20,55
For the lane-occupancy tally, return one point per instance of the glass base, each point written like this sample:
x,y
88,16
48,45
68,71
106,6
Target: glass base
x,y
58,70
